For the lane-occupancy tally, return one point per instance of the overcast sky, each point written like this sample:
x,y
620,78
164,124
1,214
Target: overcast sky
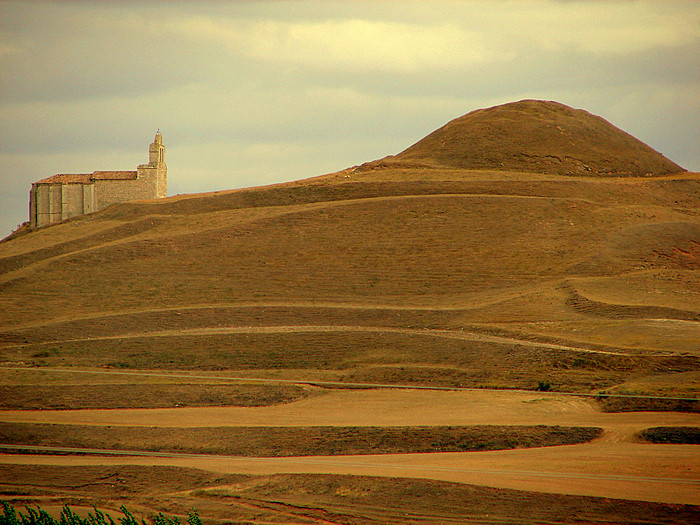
x,y
254,92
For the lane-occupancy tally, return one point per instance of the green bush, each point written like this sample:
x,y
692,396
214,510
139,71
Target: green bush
x,y
68,517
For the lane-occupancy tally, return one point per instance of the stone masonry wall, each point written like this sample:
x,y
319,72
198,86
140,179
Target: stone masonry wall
x,y
48,200
113,191
73,200
51,203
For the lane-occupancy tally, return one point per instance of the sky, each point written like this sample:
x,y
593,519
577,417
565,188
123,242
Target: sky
x,y
250,93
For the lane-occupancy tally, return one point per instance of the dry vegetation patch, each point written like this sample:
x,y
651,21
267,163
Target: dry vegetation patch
x,y
295,441
440,502
314,497
674,435
646,404
360,355
107,481
144,395
217,316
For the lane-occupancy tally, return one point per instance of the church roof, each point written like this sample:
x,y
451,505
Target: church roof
x,y
87,178
114,175
67,178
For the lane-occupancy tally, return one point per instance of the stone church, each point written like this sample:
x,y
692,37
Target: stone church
x,y
67,195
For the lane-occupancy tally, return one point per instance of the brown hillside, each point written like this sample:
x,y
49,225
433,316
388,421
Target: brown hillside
x,y
441,280
393,272
541,137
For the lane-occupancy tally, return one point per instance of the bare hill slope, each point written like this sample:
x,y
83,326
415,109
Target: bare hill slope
x,y
389,273
540,137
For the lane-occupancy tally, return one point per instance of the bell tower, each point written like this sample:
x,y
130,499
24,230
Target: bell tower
x,y
156,160
156,151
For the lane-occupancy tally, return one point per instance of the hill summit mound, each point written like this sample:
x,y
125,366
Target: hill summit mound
x,y
541,137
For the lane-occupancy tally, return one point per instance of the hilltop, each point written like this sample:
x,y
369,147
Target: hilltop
x,y
541,137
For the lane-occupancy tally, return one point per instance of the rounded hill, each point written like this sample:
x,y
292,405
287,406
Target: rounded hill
x,y
540,137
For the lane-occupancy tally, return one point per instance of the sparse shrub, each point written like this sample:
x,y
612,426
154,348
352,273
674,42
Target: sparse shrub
x,y
580,363
543,386
118,364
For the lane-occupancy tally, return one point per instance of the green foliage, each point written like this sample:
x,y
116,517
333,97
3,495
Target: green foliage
x,y
10,516
193,518
128,518
68,517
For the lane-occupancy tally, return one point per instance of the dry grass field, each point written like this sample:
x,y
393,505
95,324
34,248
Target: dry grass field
x,y
609,271
314,499
294,441
572,270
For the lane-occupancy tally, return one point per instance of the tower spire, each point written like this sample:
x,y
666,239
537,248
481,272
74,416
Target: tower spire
x,y
156,151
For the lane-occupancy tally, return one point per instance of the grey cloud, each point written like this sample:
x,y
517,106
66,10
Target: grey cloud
x,y
74,55
86,84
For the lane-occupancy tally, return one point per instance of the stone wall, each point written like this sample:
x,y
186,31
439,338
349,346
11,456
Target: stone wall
x,y
109,192
78,199
45,203
49,203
